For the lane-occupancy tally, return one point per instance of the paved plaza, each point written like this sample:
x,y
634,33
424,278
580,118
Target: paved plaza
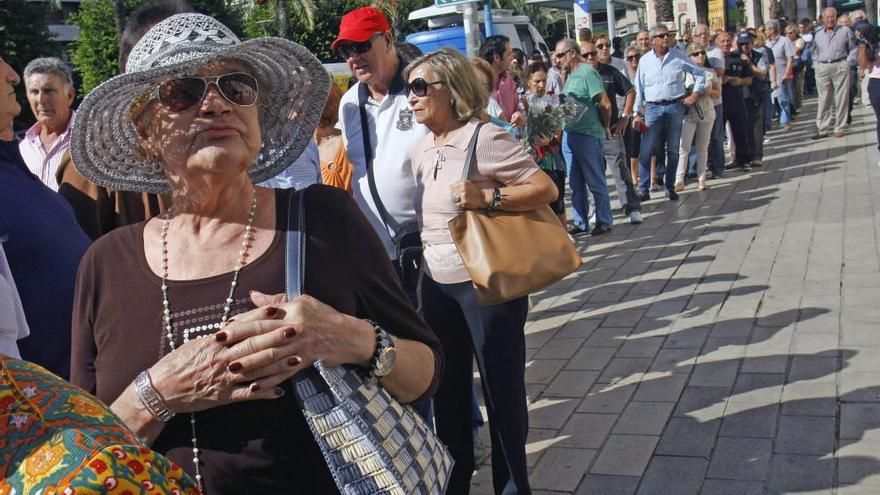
x,y
728,345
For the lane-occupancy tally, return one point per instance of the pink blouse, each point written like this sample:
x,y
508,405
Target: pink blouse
x,y
500,161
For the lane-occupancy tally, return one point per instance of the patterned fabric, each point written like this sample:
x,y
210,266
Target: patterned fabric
x,y
57,439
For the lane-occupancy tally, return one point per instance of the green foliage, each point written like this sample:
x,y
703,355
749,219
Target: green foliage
x,y
23,37
95,53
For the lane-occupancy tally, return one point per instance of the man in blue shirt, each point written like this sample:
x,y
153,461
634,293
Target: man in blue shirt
x,y
661,93
43,245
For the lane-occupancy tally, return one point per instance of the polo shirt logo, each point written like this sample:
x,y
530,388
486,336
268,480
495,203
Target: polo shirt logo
x,y
405,119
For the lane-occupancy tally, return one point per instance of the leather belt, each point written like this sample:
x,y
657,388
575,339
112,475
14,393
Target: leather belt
x,y
841,59
666,102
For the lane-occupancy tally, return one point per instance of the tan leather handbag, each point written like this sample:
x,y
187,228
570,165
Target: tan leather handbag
x,y
511,254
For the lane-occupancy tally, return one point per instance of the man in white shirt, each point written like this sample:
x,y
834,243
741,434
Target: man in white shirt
x,y
365,42
49,86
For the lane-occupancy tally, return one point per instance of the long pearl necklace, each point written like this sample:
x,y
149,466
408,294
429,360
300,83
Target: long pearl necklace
x,y
247,236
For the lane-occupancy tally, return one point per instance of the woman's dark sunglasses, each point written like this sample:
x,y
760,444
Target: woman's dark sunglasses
x,y
183,93
418,86
348,48
632,57
696,54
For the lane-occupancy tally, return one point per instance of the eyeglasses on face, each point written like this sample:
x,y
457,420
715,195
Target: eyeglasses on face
x,y
697,54
589,54
348,48
418,86
632,57
183,93
662,35
602,46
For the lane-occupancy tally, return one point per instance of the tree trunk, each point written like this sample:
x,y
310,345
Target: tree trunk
x,y
759,13
811,8
119,15
283,18
789,10
871,10
665,11
702,11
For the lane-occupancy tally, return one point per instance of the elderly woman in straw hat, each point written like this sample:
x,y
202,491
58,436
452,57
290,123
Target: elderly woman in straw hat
x,y
165,328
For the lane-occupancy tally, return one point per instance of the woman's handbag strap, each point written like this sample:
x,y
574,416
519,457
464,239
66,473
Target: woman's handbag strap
x,y
471,153
294,258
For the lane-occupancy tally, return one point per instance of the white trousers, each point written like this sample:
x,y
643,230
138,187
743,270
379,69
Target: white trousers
x,y
695,133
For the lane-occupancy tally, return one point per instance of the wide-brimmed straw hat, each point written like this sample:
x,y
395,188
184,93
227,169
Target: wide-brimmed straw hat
x,y
104,144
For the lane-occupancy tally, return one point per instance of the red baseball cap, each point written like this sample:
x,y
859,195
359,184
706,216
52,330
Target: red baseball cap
x,y
361,24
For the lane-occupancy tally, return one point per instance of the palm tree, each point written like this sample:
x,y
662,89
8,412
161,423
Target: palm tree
x,y
665,11
302,9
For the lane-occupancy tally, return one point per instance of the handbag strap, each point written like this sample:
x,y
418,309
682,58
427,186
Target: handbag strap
x,y
294,259
471,156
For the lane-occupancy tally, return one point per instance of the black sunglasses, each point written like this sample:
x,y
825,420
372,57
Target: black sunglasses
x,y
662,35
601,46
632,57
182,93
418,86
696,54
589,54
348,48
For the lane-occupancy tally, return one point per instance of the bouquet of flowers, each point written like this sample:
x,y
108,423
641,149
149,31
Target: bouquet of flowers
x,y
547,116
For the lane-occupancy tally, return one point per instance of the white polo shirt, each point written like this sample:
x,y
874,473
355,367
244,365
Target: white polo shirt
x,y
394,134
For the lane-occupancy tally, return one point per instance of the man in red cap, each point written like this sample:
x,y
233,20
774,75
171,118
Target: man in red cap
x,y
380,133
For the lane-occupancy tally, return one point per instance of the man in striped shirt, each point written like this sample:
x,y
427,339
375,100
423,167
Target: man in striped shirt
x,y
49,87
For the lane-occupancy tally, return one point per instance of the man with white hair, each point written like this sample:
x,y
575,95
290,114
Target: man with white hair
x,y
831,45
783,55
49,87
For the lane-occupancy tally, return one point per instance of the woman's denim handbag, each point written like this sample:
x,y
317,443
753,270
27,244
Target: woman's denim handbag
x,y
371,443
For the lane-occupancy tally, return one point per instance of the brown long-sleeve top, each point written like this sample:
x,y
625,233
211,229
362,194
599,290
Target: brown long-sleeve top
x,y
248,447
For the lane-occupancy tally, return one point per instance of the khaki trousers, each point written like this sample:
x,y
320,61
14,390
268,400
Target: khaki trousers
x,y
832,84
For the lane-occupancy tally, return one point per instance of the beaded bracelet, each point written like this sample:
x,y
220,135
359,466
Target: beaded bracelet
x,y
150,398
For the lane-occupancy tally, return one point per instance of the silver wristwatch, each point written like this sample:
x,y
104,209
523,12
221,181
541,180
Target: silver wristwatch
x,y
385,355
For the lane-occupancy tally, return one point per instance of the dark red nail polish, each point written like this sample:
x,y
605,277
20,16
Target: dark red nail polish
x,y
255,387
279,391
293,361
289,333
233,367
220,336
271,311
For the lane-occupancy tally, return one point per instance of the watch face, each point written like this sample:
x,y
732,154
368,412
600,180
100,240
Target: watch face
x,y
385,364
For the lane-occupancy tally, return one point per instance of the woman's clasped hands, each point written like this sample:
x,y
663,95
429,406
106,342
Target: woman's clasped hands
x,y
257,351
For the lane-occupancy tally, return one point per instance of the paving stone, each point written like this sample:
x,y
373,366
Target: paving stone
x,y
608,337
626,455
571,384
586,430
644,418
688,437
550,413
805,435
679,475
679,361
732,487
602,484
746,419
623,368
578,328
561,469
719,374
559,349
741,459
690,338
758,387
856,418
661,389
800,474
543,370
591,358
709,401
640,347
604,398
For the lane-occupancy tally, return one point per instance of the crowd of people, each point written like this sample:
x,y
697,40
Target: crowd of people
x,y
154,215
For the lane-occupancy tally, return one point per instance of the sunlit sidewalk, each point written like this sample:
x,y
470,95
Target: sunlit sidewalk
x,y
730,344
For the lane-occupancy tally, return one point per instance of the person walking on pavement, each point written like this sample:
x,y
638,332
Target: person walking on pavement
x,y
831,45
583,138
616,85
698,121
660,91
